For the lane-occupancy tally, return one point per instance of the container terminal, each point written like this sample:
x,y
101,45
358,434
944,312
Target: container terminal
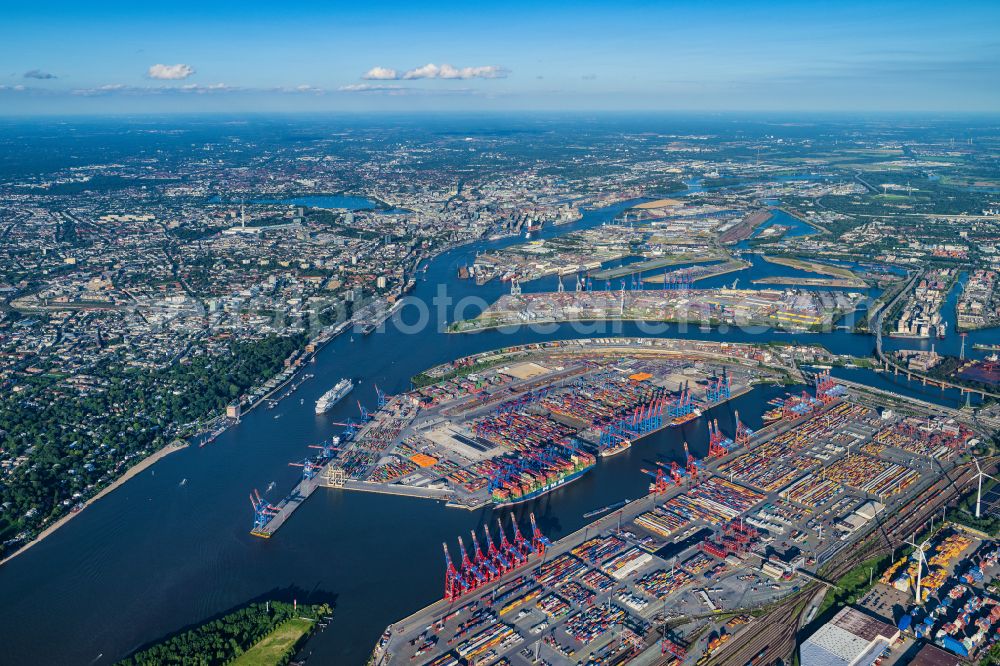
x,y
529,420
677,576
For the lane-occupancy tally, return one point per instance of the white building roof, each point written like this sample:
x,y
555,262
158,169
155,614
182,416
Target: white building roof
x,y
851,638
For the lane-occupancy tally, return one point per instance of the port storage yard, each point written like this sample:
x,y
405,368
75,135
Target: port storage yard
x,y
671,577
538,417
542,416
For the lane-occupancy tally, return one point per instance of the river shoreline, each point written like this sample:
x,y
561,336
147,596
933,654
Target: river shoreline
x,y
132,471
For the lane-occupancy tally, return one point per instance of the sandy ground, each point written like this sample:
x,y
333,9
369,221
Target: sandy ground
x,y
144,464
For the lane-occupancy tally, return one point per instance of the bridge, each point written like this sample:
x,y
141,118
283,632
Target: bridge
x,y
875,324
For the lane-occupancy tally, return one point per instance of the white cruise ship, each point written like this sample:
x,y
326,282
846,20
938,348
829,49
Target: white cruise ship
x,y
334,395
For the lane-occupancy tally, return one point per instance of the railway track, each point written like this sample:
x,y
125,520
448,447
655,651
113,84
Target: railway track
x,y
776,632
773,634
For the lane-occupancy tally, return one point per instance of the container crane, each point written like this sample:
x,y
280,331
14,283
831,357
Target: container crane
x,y
485,565
469,571
309,468
539,541
454,584
692,463
263,511
743,433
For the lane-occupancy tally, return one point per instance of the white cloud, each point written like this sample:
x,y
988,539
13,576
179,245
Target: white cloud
x,y
428,71
170,72
380,74
189,88
485,72
201,89
305,89
432,71
106,89
370,87
397,90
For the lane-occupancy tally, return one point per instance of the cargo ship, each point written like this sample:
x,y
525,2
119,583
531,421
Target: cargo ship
x,y
772,415
615,449
685,418
334,395
531,484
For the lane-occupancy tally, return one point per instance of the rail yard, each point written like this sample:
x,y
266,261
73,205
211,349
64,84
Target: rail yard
x,y
719,561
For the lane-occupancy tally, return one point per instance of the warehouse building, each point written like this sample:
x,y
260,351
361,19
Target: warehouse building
x,y
851,638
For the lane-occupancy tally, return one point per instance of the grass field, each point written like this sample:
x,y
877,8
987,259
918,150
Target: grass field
x,y
276,645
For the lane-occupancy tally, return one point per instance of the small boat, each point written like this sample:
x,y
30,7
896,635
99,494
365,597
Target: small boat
x,y
183,482
270,487
610,507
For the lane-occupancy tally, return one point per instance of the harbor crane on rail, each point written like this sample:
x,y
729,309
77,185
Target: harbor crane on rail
x,y
309,468
539,541
485,564
327,448
350,428
501,560
468,567
718,444
482,568
517,558
520,543
692,463
454,584
263,510
743,433
381,397
660,485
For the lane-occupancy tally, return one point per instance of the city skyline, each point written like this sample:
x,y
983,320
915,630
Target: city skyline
x,y
114,58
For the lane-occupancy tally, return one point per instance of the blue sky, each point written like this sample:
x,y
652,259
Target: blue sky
x,y
110,57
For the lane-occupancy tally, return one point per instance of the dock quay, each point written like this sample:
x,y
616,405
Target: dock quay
x,y
282,511
661,578
514,432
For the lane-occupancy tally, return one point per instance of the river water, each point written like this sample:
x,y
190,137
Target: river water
x,y
156,555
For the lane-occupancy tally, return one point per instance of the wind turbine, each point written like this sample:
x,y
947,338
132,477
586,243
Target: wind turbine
x,y
979,491
921,563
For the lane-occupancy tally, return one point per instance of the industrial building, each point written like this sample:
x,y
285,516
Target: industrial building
x,y
851,638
